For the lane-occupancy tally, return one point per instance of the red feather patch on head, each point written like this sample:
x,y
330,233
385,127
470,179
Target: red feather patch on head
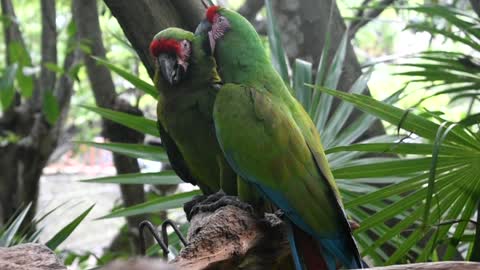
x,y
159,46
211,12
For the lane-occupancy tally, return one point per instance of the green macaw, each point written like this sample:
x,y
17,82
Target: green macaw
x,y
187,80
186,77
271,142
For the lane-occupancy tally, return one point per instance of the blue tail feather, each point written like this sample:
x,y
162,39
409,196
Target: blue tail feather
x,y
293,247
339,246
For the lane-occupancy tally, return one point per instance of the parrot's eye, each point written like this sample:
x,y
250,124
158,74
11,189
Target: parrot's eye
x,y
222,21
220,26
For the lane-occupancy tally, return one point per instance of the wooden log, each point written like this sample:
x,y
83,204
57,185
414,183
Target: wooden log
x,y
232,238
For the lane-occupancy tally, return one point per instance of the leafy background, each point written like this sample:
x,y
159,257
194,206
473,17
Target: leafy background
x,y
415,190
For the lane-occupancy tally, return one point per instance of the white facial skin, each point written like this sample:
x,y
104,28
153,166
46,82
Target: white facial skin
x,y
219,27
184,55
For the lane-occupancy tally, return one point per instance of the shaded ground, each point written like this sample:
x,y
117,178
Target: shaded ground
x,y
92,235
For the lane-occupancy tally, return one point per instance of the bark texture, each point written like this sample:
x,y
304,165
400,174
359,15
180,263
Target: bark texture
x,y
49,50
232,238
86,15
29,257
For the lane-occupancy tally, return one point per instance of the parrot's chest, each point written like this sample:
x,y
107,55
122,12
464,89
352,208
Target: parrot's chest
x,y
190,124
188,118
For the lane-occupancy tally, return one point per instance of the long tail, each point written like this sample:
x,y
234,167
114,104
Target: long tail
x,y
322,253
306,253
342,248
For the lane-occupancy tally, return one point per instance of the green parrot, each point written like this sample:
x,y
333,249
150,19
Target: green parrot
x,y
271,142
186,78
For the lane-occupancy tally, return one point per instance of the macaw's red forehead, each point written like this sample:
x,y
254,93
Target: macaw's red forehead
x,y
211,12
159,46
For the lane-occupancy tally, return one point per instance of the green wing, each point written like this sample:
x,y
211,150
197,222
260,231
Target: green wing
x,y
264,144
174,156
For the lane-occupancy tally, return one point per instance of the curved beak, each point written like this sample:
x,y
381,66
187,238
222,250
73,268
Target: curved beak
x,y
204,28
170,69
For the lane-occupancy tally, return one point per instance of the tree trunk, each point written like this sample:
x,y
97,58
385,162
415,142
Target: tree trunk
x,y
140,22
86,17
22,161
304,27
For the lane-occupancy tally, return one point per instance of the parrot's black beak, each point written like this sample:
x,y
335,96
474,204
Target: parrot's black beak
x,y
203,29
170,69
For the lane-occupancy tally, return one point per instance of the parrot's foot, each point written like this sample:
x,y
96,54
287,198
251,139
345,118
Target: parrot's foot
x,y
188,206
213,202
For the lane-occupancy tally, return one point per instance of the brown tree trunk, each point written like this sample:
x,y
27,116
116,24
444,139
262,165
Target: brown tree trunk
x,y
86,17
140,22
304,27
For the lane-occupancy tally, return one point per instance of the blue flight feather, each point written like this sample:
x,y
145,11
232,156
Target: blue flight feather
x,y
293,247
336,246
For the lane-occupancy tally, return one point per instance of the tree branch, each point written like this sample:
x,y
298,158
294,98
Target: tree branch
x,y
85,14
11,29
11,32
49,51
191,12
363,18
230,237
64,88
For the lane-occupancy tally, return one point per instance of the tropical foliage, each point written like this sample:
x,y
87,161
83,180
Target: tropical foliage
x,y
447,72
17,232
412,192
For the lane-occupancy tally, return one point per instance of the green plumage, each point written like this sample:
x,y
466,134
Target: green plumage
x,y
184,113
274,124
270,141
